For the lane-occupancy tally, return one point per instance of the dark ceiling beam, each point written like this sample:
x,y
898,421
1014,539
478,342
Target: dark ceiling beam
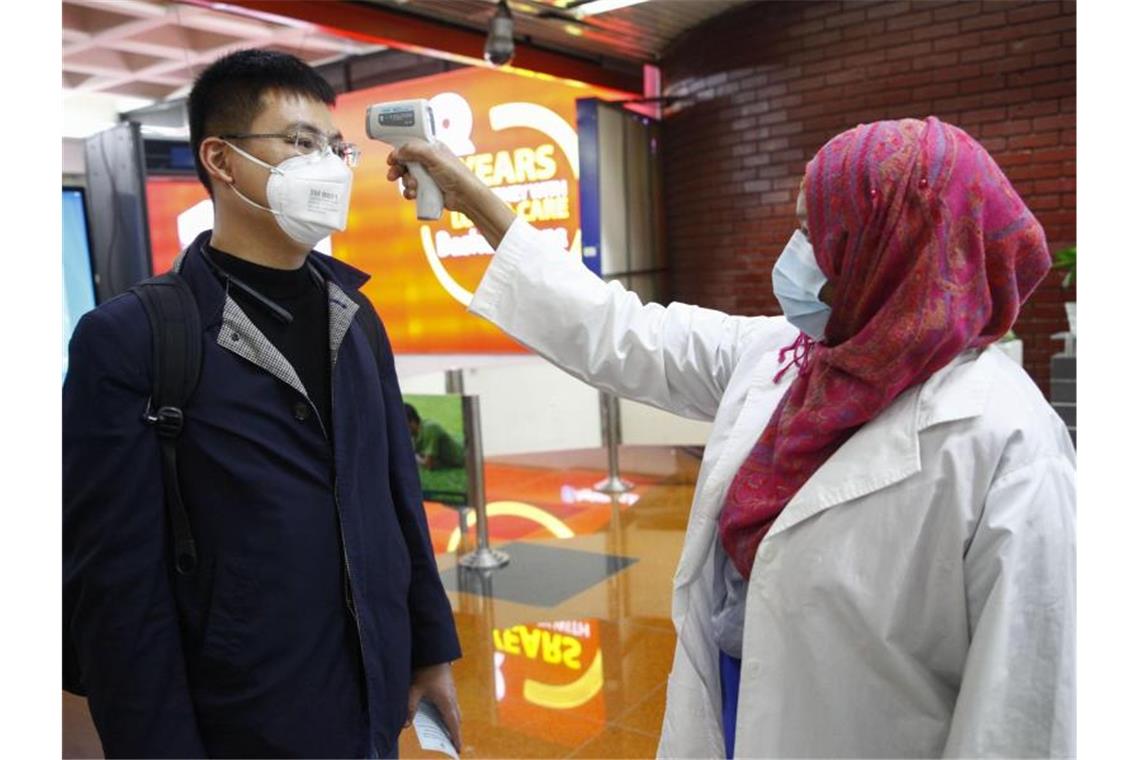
x,y
382,26
382,67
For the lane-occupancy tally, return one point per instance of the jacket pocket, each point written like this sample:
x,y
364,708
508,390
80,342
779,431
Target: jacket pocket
x,y
192,595
227,628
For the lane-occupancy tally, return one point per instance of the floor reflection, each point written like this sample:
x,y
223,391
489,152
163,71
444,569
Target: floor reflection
x,y
574,662
584,676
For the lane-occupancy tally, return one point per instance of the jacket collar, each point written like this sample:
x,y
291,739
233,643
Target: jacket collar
x,y
887,449
346,276
212,295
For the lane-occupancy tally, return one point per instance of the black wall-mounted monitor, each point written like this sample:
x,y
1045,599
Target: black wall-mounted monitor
x,y
116,209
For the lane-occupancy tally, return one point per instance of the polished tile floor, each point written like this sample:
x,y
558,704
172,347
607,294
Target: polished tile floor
x,y
567,649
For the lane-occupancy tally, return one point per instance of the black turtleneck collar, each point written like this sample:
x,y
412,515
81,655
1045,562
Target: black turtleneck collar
x,y
277,284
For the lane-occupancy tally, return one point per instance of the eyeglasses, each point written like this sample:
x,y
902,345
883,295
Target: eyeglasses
x,y
306,142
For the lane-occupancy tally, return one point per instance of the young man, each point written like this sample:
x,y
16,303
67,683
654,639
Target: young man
x,y
315,619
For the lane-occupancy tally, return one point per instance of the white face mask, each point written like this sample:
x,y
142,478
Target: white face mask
x,y
308,195
797,281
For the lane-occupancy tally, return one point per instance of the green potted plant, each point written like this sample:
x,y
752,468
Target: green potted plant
x,y
1065,260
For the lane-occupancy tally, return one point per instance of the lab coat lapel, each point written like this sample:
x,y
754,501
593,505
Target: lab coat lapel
x,y
759,403
880,454
883,452
886,450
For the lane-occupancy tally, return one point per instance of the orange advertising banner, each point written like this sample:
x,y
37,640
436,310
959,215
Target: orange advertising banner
x,y
517,133
169,202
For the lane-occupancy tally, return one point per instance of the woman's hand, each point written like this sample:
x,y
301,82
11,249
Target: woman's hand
x,y
455,180
462,191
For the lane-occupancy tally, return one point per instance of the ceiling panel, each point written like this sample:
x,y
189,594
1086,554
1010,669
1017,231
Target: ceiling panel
x,y
153,49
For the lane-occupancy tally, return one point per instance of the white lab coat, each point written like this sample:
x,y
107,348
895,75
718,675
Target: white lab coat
x,y
915,599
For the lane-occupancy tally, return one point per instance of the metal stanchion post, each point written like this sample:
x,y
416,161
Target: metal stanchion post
x,y
453,381
484,557
611,436
453,384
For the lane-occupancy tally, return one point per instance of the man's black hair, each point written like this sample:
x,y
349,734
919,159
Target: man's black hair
x,y
227,96
413,415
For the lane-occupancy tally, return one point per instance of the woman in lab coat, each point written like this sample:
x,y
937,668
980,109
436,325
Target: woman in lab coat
x,y
879,561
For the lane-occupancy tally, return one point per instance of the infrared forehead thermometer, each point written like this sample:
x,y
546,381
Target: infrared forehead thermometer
x,y
397,122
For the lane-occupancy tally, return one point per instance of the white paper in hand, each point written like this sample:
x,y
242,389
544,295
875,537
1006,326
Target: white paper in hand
x,y
430,730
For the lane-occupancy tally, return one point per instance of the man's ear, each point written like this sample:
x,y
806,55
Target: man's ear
x,y
216,159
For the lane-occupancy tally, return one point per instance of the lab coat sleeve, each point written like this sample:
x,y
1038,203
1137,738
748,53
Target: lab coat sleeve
x,y
678,358
116,552
1017,693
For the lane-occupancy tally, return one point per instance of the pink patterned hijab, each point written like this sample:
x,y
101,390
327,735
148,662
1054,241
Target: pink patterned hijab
x,y
930,251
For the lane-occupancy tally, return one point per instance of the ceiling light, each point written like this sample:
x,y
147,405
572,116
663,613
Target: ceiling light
x,y
594,7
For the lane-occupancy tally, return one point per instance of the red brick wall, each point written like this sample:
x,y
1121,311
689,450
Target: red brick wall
x,y
769,83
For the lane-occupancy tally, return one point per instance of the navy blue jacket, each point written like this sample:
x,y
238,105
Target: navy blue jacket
x,y
317,591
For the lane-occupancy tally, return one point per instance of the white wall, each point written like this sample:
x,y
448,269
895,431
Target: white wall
x,y
647,425
533,406
74,157
528,405
85,113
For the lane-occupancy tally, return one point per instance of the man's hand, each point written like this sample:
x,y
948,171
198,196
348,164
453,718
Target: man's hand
x,y
462,190
436,685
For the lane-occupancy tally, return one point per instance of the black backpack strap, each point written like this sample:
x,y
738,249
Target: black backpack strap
x,y
176,337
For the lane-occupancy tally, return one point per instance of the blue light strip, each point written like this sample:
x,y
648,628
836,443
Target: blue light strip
x,y
589,189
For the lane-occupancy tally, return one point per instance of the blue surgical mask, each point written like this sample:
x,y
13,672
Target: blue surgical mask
x,y
797,281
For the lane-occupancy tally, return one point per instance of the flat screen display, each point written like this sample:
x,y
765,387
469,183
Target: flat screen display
x,y
78,279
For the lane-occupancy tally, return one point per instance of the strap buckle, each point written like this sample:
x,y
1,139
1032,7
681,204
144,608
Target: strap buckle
x,y
186,556
168,420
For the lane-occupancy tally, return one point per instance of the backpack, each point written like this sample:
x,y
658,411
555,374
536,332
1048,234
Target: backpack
x,y
176,336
